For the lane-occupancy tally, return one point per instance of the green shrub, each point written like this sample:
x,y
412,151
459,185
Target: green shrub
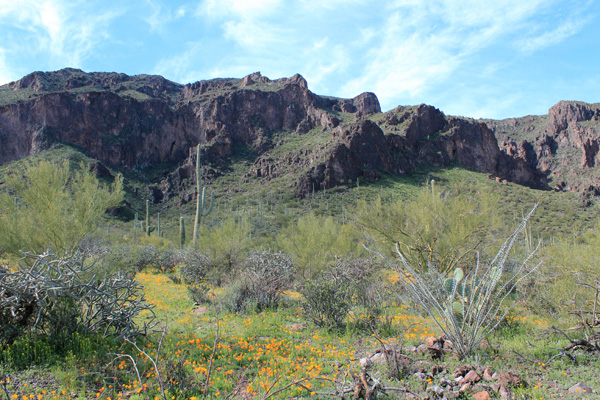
x,y
52,207
346,285
226,245
314,242
326,303
437,229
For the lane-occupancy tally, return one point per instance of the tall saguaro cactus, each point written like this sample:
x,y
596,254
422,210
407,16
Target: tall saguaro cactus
x,y
201,209
181,232
149,228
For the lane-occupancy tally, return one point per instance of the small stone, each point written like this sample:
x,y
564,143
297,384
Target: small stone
x,y
422,349
436,369
487,375
484,344
365,362
420,375
505,393
431,341
296,327
378,358
482,396
445,382
495,376
200,311
481,388
581,388
471,377
496,387
465,388
435,389
462,370
510,379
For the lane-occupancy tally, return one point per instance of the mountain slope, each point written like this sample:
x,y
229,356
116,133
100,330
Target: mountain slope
x,y
286,133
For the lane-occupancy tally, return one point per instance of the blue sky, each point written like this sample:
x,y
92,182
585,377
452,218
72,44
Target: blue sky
x,y
475,58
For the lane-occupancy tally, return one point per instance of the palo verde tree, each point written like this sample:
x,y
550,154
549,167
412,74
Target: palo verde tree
x,y
440,229
51,206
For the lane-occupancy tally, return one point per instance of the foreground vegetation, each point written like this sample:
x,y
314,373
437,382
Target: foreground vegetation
x,y
281,300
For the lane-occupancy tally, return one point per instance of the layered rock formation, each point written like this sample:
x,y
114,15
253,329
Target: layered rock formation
x,y
138,121
564,144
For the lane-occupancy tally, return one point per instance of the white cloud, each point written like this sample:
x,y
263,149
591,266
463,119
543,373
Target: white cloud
x,y
244,9
6,75
59,32
552,37
161,16
423,43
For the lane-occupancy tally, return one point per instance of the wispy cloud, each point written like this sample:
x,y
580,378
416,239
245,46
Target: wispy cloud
x,y
6,75
423,43
548,38
161,15
59,33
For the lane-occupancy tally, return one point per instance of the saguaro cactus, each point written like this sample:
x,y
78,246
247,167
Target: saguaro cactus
x,y
181,232
149,228
135,225
158,225
201,209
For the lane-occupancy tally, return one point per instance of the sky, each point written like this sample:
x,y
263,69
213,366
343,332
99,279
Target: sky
x,y
472,58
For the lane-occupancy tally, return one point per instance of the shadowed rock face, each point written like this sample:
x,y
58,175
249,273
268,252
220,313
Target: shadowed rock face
x,y
138,121
564,144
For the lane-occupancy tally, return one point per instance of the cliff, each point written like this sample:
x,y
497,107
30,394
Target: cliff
x,y
135,122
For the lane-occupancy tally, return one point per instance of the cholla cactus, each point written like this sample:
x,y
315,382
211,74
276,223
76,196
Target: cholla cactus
x,y
55,292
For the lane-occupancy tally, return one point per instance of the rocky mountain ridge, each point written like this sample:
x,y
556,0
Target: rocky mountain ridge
x,y
138,121
563,145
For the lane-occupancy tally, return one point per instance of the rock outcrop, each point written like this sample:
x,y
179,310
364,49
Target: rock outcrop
x,y
564,144
138,121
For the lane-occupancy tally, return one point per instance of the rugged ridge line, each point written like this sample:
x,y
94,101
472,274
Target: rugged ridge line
x,y
138,121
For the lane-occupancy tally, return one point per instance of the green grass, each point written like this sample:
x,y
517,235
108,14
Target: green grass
x,y
258,354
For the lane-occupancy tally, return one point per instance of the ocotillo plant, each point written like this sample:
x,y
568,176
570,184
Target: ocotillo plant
x,y
201,210
181,232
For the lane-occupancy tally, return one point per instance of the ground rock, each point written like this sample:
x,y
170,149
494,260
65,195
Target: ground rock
x,y
482,396
581,388
511,379
471,377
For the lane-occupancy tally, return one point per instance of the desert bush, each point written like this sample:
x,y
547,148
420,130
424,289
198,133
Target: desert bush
x,y
226,245
343,286
52,207
53,296
326,303
314,242
466,307
261,282
193,266
441,229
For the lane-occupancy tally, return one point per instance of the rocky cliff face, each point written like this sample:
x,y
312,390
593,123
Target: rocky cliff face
x,y
564,144
136,122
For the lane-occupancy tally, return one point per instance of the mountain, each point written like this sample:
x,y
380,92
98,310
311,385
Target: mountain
x,y
285,131
563,145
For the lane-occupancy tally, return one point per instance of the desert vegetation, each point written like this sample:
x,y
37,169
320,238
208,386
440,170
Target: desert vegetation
x,y
443,288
